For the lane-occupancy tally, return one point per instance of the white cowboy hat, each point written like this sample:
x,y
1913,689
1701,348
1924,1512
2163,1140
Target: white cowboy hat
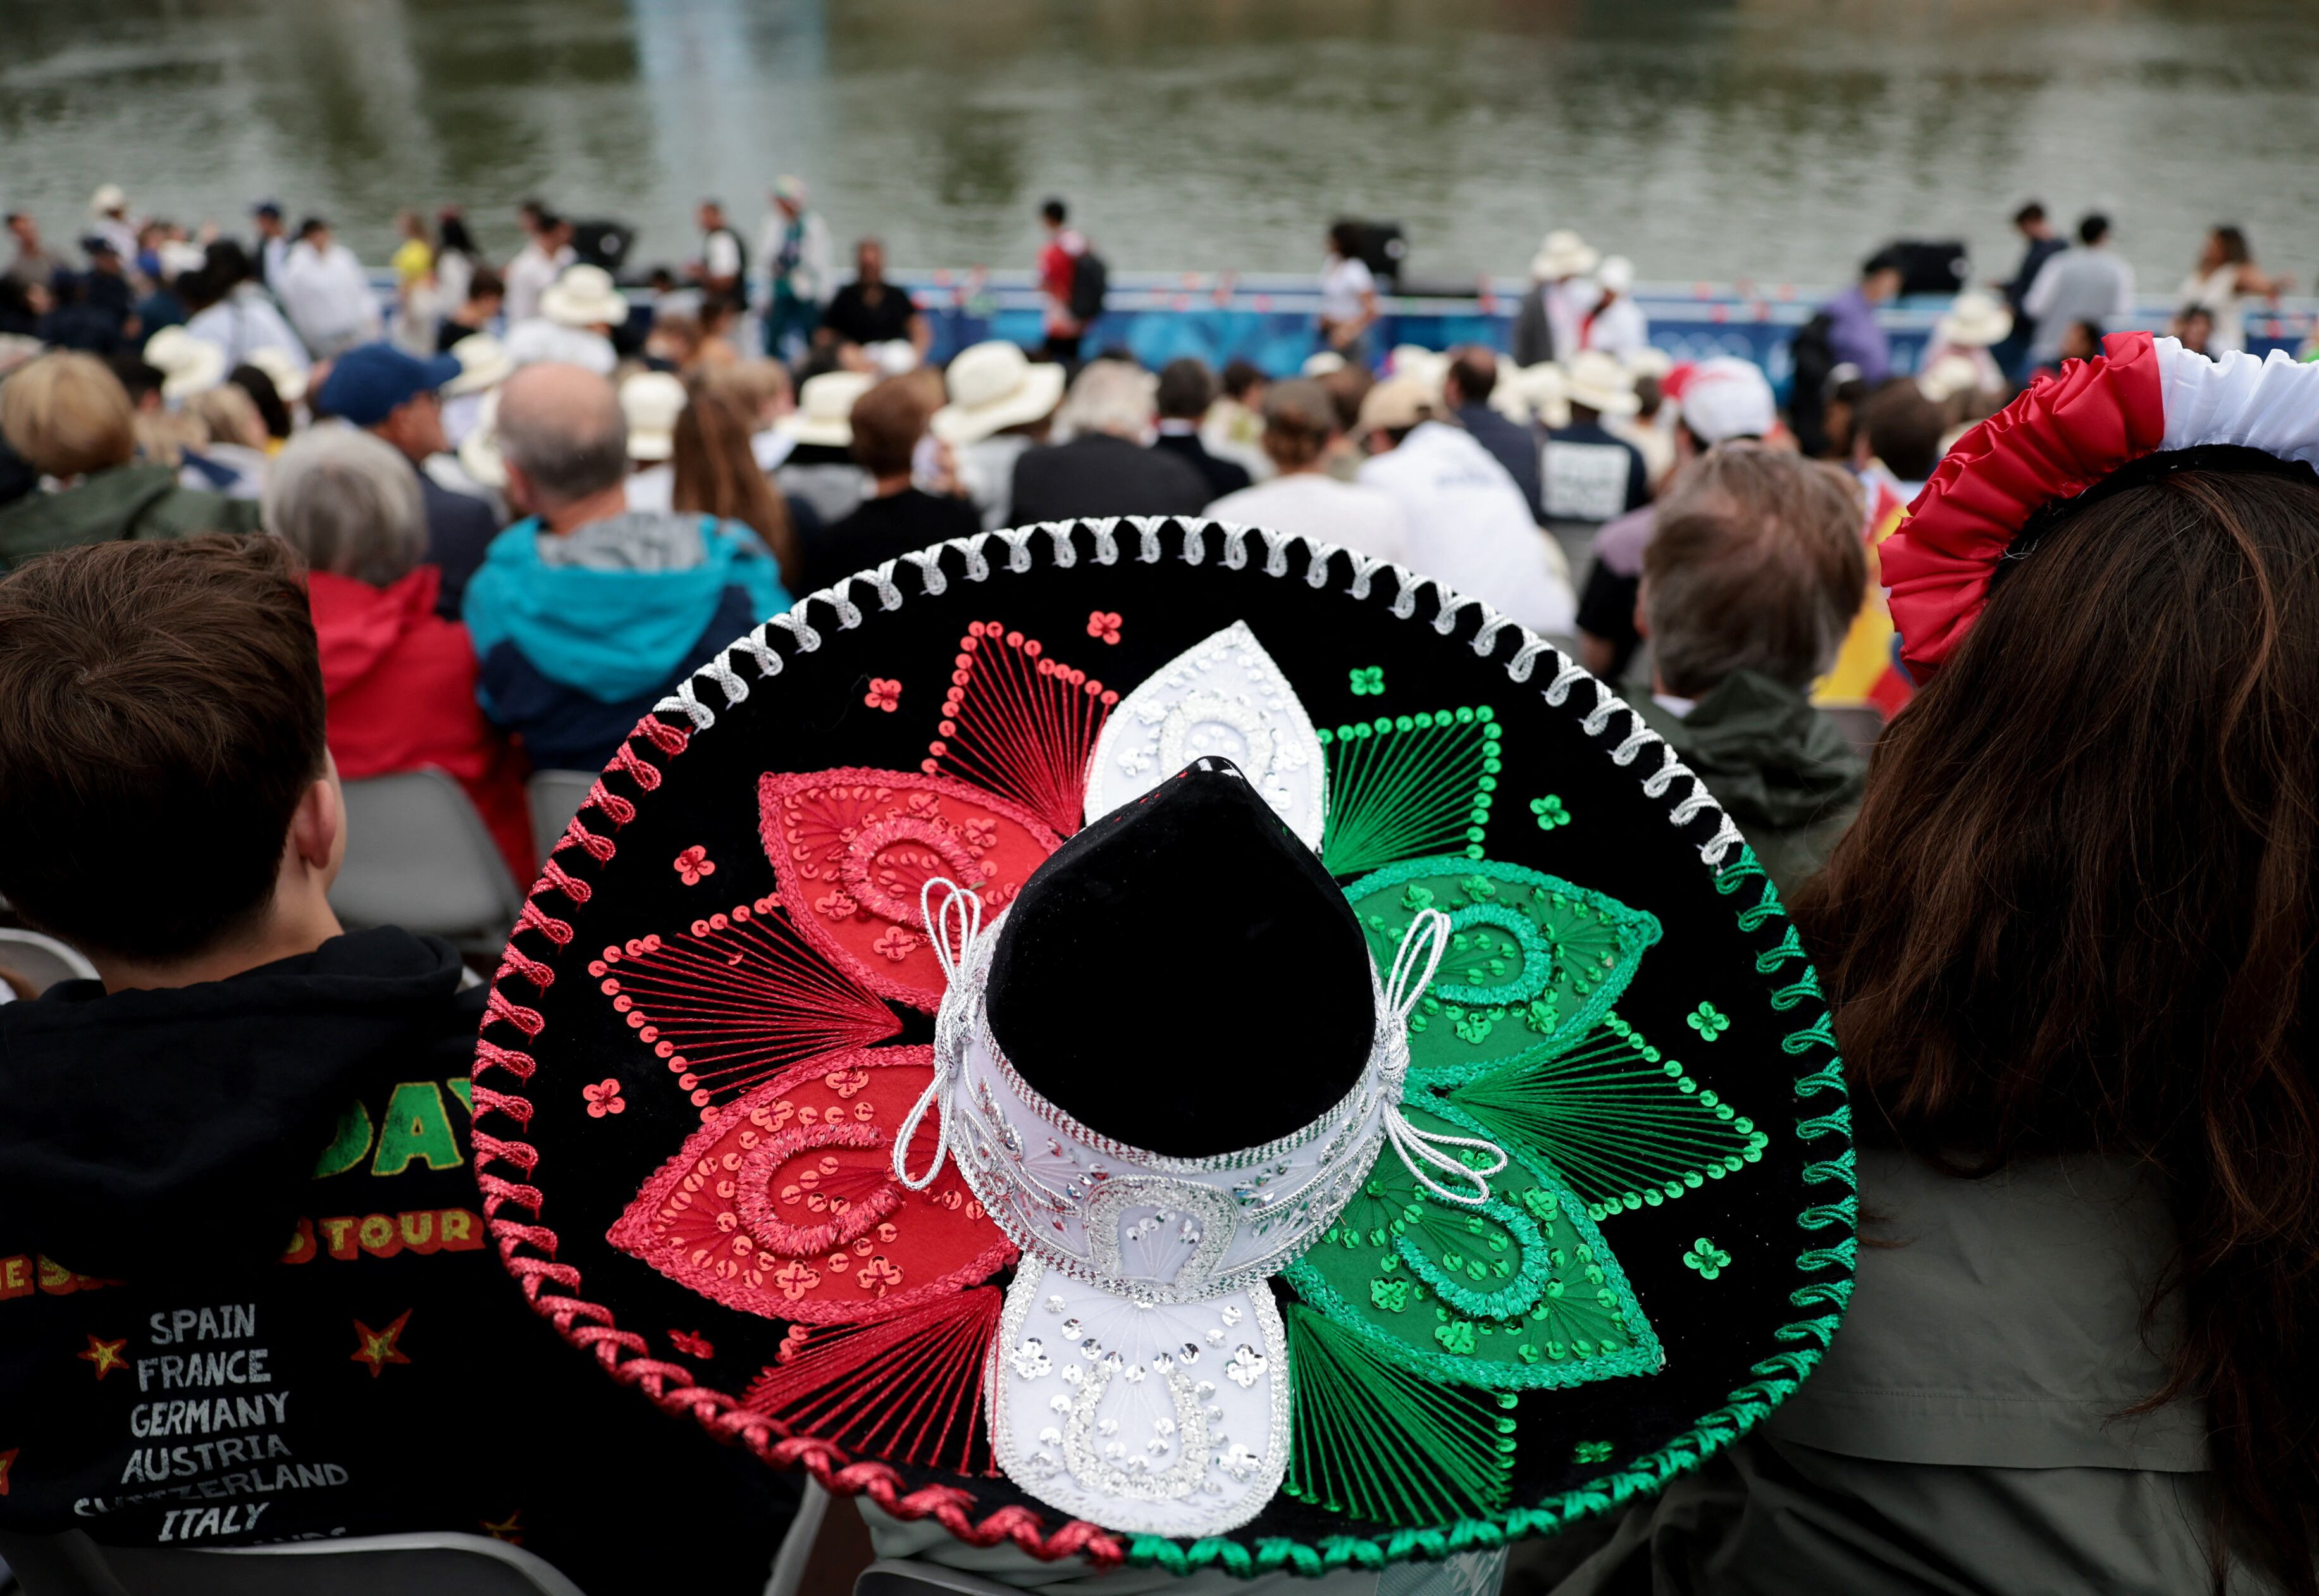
x,y
1598,382
1323,363
1546,391
1947,377
177,257
479,451
652,400
188,366
107,199
1974,320
1509,398
825,412
484,363
289,379
993,386
1428,366
1615,273
1564,255
584,296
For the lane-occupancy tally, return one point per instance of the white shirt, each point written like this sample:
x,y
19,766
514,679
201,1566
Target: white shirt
x,y
2081,285
1343,282
1567,304
528,275
1310,504
1469,529
328,297
721,254
1618,328
2217,294
245,320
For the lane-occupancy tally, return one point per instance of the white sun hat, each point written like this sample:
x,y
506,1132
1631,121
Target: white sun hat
x,y
1421,364
825,412
1947,377
1547,391
652,400
1597,381
479,451
107,199
1564,255
993,386
484,363
188,366
1617,273
282,369
584,296
1974,320
1322,363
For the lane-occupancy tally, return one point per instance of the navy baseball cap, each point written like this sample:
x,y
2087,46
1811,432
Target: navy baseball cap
x,y
369,382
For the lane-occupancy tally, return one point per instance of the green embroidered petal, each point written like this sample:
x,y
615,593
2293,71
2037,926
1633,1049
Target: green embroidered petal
x,y
1404,785
1627,1126
1533,963
1521,1293
1371,1439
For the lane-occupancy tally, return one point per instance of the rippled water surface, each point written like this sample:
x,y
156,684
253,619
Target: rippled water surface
x,y
1770,138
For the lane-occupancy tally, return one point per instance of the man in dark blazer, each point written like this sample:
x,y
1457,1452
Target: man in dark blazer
x,y
1186,389
1105,470
1465,389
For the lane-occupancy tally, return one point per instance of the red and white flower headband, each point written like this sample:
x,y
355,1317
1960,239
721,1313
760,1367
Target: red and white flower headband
x,y
2064,436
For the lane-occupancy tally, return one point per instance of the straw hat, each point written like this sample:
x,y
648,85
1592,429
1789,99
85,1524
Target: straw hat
x,y
1421,365
825,412
479,451
1974,320
1598,382
1397,403
288,377
993,386
1324,363
584,296
652,400
484,363
188,366
1546,391
1564,255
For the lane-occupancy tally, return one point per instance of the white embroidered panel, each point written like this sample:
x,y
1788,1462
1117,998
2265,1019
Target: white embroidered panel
x,y
1222,696
1158,1419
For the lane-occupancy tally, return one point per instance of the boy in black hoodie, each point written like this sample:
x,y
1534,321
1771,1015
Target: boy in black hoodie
x,y
246,1290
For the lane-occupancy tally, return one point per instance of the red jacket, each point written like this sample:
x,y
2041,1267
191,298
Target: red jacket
x,y
401,681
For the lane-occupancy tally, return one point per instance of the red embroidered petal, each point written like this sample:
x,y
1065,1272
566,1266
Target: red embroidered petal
x,y
908,1389
742,997
785,1205
1018,721
2056,440
851,849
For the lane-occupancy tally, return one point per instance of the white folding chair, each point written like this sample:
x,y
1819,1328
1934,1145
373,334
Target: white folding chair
x,y
419,856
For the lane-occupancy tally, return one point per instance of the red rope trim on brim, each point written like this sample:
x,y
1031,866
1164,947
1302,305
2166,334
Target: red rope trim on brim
x,y
528,1250
2057,438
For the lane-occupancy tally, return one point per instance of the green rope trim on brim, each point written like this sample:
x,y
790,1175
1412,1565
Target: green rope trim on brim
x,y
1745,1407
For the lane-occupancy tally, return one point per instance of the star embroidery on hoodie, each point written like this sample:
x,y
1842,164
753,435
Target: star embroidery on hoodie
x,y
6,1458
510,1529
377,1348
104,1356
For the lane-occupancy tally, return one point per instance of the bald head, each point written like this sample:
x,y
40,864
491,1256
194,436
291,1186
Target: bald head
x,y
561,429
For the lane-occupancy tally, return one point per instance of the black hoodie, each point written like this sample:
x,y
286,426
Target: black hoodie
x,y
172,1373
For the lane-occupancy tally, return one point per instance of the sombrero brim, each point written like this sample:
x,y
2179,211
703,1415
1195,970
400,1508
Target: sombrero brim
x,y
1675,1247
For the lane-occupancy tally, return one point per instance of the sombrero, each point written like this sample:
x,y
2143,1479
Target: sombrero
x,y
1162,1041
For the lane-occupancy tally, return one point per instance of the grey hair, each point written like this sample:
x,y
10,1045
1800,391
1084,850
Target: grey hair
x,y
564,429
1109,396
348,501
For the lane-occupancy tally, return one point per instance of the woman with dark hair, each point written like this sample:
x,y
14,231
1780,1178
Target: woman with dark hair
x,y
455,258
230,308
1349,299
2226,273
717,474
2068,944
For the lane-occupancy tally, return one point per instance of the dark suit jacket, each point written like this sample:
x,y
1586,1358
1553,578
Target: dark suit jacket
x,y
1513,446
1223,477
1101,475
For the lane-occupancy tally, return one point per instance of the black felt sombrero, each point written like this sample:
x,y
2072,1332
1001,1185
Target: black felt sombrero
x,y
1360,1099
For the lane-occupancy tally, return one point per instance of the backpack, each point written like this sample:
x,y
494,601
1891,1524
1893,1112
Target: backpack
x,y
1811,357
1091,282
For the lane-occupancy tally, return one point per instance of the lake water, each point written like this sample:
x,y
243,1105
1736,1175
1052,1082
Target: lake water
x,y
1776,140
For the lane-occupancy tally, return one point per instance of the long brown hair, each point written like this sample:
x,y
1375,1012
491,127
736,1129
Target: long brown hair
x,y
717,474
2076,915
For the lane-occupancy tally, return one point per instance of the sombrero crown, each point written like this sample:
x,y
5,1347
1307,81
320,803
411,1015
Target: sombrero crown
x,y
1169,1043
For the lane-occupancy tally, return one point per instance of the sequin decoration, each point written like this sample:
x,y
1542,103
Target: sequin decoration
x,y
1153,1418
1224,697
1627,1126
908,1388
737,999
1522,1293
1533,963
1018,722
785,1205
1402,786
852,848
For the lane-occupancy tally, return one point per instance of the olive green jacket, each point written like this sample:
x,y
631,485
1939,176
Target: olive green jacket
x,y
134,502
